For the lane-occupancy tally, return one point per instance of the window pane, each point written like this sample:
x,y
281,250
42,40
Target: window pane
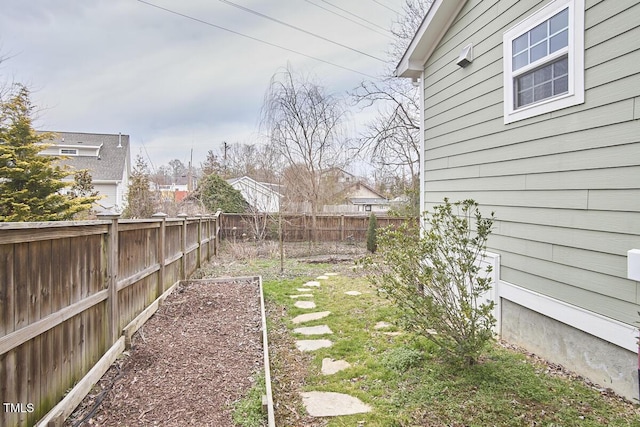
x,y
538,51
561,85
559,21
524,98
561,67
542,75
539,33
525,82
521,43
542,91
521,60
559,41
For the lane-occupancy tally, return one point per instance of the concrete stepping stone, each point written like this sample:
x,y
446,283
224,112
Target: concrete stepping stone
x,y
329,404
313,330
313,283
305,304
353,293
304,290
310,316
322,278
311,345
330,274
301,296
331,366
382,325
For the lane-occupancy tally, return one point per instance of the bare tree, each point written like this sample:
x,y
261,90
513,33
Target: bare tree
x,y
391,141
261,162
304,125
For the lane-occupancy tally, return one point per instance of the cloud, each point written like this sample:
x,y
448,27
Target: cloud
x,y
121,66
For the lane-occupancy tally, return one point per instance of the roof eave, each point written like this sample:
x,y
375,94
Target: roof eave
x,y
433,27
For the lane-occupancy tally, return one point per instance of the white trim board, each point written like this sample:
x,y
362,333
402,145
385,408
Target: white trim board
x,y
605,328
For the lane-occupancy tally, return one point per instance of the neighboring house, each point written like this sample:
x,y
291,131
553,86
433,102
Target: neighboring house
x,y
365,198
532,108
172,193
350,193
262,197
107,158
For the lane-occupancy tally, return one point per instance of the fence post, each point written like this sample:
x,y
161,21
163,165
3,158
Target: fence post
x,y
342,228
112,276
161,256
199,251
183,246
217,224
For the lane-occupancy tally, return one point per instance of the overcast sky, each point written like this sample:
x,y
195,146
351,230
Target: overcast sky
x,y
174,83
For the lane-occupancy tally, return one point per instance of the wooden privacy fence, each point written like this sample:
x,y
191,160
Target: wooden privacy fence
x,y
297,227
67,290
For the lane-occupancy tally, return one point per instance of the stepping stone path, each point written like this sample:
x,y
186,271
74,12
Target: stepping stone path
x,y
310,316
305,304
317,403
311,345
328,404
313,330
382,325
312,283
330,366
385,325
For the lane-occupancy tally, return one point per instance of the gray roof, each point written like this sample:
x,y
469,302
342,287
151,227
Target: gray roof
x,y
113,156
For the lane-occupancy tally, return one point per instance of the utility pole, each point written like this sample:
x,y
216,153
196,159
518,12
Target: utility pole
x,y
226,147
189,175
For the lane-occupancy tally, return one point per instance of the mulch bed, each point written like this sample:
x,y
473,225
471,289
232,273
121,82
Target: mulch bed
x,y
188,364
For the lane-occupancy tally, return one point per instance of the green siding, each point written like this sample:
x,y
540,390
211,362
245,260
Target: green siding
x,y
565,186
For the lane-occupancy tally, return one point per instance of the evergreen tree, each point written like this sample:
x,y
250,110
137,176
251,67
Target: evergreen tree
x,y
216,193
141,201
30,183
83,187
372,234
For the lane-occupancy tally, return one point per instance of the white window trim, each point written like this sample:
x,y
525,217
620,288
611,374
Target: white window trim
x,y
575,95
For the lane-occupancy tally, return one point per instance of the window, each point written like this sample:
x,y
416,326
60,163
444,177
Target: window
x,y
69,151
544,61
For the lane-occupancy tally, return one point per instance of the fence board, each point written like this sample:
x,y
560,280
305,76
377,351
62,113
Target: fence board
x,y
21,281
296,227
54,297
7,290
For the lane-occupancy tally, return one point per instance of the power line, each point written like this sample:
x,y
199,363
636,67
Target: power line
x,y
353,14
385,6
255,39
246,9
349,19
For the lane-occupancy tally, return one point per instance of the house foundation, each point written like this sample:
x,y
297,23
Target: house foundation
x,y
604,363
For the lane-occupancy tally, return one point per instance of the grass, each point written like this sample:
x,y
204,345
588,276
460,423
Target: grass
x,y
402,377
407,384
248,412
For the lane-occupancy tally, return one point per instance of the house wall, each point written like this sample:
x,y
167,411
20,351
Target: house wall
x,y
362,192
110,195
565,186
258,196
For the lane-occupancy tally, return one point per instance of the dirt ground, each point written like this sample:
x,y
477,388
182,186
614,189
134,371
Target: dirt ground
x,y
188,364
197,354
